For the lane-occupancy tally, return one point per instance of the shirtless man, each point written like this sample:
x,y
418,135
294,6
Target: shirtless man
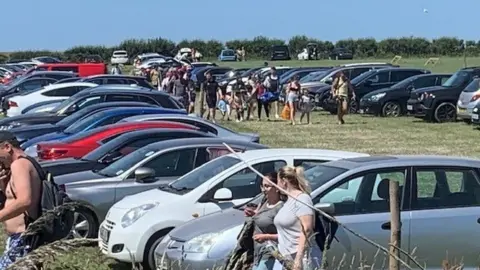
x,y
22,191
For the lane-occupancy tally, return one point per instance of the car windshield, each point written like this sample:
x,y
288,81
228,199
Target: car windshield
x,y
474,86
122,165
228,53
313,77
84,123
203,173
321,174
457,79
69,120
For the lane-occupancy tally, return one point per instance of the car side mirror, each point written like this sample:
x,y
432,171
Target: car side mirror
x,y
17,89
144,175
328,208
223,194
329,81
71,109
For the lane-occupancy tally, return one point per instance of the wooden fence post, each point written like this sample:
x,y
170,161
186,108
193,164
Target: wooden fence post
x,y
395,230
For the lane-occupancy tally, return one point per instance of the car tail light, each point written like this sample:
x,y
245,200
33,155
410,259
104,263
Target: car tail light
x,y
474,97
52,153
12,104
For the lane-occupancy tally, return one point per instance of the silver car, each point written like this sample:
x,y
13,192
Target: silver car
x,y
440,206
467,100
202,124
147,168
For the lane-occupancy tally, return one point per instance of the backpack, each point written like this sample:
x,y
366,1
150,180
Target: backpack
x,y
52,196
325,230
273,84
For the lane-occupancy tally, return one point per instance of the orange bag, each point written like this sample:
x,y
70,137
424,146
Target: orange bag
x,y
286,112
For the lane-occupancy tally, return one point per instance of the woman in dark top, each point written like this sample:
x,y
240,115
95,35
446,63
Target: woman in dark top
x,y
265,231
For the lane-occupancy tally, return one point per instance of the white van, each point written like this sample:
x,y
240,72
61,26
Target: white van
x,y
135,225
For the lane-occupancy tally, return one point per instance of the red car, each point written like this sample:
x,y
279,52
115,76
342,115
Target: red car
x,y
80,144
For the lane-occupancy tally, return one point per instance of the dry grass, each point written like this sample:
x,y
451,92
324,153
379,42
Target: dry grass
x,y
361,134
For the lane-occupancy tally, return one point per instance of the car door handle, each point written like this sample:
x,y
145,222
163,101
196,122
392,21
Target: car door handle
x,y
388,225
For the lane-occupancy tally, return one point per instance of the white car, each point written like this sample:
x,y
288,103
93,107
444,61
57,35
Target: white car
x,y
186,53
119,57
135,225
50,92
303,55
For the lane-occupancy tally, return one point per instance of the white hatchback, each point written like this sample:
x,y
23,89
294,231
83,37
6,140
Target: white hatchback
x,y
119,57
134,226
59,91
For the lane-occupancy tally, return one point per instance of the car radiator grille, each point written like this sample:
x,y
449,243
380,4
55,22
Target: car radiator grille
x,y
108,225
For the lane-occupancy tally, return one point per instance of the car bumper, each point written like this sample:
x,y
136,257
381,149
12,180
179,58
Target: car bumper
x,y
14,111
122,244
175,259
464,113
370,107
417,109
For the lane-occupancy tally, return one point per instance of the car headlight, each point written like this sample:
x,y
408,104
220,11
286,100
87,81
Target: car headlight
x,y
31,151
377,96
203,243
475,109
135,213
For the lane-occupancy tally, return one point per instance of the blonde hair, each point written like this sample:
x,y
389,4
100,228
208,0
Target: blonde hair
x,y
295,176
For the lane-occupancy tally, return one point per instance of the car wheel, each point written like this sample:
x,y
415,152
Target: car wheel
x,y
353,106
445,112
391,109
149,255
84,224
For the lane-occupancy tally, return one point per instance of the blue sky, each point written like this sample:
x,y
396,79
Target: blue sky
x,y
60,24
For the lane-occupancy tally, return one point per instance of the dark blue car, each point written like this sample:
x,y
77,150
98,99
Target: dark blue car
x,y
101,118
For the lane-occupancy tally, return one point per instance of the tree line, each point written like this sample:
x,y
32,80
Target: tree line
x,y
259,47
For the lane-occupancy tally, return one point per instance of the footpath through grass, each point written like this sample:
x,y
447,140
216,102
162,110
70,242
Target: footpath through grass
x,y
368,134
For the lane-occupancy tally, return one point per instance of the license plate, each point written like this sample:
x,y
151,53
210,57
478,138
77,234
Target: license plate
x,y
410,107
104,235
462,110
475,116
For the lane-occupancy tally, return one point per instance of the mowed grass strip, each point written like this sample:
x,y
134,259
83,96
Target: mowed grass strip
x,y
373,135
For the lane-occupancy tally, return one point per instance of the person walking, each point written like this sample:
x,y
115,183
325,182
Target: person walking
x,y
258,91
295,222
265,232
293,91
155,79
23,192
341,90
212,94
271,84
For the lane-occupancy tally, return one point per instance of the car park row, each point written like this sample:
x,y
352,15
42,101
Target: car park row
x,y
131,154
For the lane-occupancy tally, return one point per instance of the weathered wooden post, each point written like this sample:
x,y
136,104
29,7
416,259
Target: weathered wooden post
x,y
395,226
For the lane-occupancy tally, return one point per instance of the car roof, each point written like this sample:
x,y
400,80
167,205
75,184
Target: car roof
x,y
157,130
114,76
403,160
139,108
107,88
117,104
254,154
52,72
69,84
203,141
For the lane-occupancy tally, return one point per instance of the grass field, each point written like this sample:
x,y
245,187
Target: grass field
x,y
360,133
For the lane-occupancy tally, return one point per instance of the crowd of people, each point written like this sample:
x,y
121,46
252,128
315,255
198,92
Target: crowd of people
x,y
247,100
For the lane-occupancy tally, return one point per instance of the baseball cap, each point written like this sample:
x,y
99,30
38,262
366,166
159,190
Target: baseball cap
x,y
6,136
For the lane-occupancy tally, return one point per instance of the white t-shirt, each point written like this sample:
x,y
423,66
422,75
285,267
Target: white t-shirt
x,y
288,224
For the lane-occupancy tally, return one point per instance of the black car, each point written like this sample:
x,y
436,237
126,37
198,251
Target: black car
x,y
340,54
116,149
199,75
371,81
91,96
67,80
26,132
117,79
280,52
393,101
439,103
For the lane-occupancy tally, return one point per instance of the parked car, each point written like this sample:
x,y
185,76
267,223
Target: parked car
x,y
438,103
25,133
340,54
119,57
201,123
95,120
149,167
392,101
475,115
468,99
118,79
116,149
433,191
80,144
44,106
50,92
371,81
138,223
91,96
227,55
68,80
35,73
199,76
280,52
82,69
45,60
